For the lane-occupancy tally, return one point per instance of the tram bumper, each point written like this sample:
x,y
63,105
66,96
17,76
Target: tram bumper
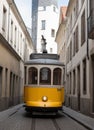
x,y
43,106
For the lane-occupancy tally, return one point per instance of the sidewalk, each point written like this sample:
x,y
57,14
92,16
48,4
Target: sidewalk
x,y
87,121
8,112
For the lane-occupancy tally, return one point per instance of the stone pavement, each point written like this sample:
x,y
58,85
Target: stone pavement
x,y
8,112
87,121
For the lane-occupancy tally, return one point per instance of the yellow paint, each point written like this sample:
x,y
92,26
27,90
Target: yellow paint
x,y
33,96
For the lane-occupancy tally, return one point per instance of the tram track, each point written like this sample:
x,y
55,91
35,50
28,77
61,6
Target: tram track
x,y
56,124
33,123
54,120
60,121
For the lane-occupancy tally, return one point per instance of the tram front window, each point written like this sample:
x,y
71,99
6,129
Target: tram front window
x,y
45,76
32,75
57,76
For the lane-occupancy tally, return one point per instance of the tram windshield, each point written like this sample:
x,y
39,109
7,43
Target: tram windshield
x,y
45,76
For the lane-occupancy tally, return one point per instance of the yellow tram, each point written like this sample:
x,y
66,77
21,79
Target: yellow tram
x,y
43,90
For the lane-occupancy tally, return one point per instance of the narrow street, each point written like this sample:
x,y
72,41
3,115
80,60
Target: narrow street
x,y
17,119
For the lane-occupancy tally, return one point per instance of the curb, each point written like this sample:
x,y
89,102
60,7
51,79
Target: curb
x,y
79,121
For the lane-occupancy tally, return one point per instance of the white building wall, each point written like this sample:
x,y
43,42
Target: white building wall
x,y
51,19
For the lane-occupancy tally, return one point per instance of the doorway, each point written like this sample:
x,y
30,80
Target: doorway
x,y
92,88
1,80
78,87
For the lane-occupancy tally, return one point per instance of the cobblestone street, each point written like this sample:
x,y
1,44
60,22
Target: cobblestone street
x,y
16,118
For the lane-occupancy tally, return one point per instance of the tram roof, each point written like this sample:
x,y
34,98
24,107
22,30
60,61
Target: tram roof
x,y
45,59
44,56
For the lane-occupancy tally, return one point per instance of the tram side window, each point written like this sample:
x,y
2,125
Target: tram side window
x,y
45,76
57,76
32,75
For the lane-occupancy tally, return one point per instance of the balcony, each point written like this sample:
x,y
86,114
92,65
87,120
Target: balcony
x,y
91,25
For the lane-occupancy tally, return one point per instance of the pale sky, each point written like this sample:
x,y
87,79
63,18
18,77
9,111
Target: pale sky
x,y
24,7
63,2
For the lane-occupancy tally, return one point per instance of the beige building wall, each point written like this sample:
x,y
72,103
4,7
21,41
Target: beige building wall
x,y
15,48
61,39
60,35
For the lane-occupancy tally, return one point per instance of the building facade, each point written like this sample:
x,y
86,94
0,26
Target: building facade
x,y
61,34
79,66
44,22
79,42
15,47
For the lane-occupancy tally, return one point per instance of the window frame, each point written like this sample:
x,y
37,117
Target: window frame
x,y
45,81
57,76
34,72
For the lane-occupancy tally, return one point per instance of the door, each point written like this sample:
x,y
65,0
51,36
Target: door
x,y
78,87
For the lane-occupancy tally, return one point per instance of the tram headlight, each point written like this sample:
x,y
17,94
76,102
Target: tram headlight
x,y
44,98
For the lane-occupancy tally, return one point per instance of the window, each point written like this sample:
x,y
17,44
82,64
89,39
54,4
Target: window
x,y
57,76
84,76
74,14
63,75
78,80
52,33
25,75
1,71
70,50
74,46
18,40
11,31
74,82
51,50
83,1
11,83
45,76
83,28
77,39
77,8
43,22
15,36
91,5
54,9
67,55
68,91
21,44
32,75
71,23
44,8
70,81
6,81
4,19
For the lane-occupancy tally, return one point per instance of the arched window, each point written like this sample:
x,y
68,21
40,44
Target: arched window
x,y
45,76
32,75
57,76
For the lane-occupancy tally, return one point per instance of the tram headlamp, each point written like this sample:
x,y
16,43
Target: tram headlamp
x,y
44,98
